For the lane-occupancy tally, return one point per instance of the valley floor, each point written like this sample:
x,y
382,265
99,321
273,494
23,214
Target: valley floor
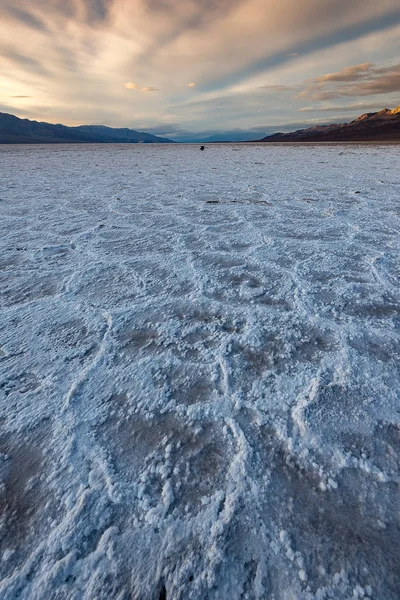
x,y
199,372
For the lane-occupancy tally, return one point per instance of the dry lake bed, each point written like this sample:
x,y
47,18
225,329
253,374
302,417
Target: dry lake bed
x,y
199,372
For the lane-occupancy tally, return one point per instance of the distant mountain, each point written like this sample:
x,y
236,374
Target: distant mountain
x,y
379,126
229,137
23,131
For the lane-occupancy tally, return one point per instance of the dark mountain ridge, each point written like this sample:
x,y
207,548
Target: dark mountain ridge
x,y
370,127
14,130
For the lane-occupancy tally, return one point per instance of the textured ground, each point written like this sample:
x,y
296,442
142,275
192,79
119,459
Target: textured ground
x,y
199,372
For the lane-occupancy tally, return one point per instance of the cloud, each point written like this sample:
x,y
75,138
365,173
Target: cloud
x,y
344,108
77,55
276,88
133,86
347,74
383,81
312,94
357,80
91,12
97,9
26,17
164,129
22,60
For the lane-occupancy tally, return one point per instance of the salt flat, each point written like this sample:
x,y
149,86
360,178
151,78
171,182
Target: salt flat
x,y
199,372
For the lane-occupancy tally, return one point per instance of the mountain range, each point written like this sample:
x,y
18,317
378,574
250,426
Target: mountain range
x,y
382,126
23,131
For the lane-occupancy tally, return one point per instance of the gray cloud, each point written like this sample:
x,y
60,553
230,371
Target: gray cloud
x,y
358,80
87,11
276,88
343,108
353,73
26,17
98,9
385,81
181,17
192,14
165,129
22,60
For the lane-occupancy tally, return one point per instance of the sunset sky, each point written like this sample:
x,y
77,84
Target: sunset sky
x,y
172,67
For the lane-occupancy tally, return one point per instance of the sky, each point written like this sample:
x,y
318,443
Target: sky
x,y
189,69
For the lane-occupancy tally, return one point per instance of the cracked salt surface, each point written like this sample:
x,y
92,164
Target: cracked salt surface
x,y
199,372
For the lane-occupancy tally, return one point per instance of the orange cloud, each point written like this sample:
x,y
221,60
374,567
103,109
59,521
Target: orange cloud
x,y
347,73
133,86
357,80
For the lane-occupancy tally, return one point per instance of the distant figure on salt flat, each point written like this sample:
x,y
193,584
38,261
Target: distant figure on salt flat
x,y
201,147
